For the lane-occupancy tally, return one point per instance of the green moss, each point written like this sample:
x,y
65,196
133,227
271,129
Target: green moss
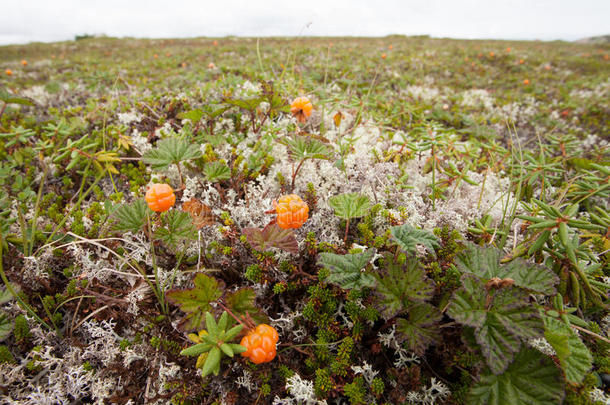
x,y
22,330
6,356
323,383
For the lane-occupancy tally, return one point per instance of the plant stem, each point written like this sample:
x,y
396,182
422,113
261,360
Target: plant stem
x,y
36,209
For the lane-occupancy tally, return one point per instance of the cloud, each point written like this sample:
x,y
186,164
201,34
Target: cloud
x,y
40,20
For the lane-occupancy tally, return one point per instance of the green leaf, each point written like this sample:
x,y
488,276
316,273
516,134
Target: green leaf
x,y
179,227
211,326
216,171
350,205
5,294
212,363
193,115
501,318
420,328
196,301
574,357
242,301
130,217
170,151
9,98
237,348
272,236
196,350
485,263
304,147
6,326
401,285
348,271
249,104
226,349
531,379
408,238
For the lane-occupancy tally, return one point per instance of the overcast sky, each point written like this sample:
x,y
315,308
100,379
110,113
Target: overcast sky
x,y
23,21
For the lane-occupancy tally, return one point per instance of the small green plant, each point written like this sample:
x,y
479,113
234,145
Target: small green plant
x,y
215,343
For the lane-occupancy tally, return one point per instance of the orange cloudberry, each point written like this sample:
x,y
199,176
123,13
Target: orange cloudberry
x,y
260,344
292,211
160,197
301,108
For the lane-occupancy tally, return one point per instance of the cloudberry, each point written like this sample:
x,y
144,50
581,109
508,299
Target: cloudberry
x,y
160,197
301,108
292,212
260,344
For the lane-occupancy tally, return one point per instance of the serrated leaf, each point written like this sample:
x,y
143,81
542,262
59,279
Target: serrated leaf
x,y
484,262
531,379
573,355
347,271
130,217
195,302
272,236
350,205
501,318
170,151
200,213
408,237
401,285
216,171
242,301
420,328
178,228
304,147
248,104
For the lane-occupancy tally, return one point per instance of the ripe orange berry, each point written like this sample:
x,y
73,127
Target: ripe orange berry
x,y
390,47
260,344
526,82
383,56
8,72
301,108
508,49
491,54
292,212
24,62
215,43
521,61
155,56
160,197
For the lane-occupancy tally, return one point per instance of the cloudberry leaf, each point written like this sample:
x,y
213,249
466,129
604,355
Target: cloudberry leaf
x,y
306,147
408,238
170,151
484,262
216,171
242,301
348,271
195,302
574,357
179,227
420,327
531,379
350,205
501,319
130,217
401,285
272,236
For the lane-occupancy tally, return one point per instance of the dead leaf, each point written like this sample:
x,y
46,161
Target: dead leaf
x,y
201,214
